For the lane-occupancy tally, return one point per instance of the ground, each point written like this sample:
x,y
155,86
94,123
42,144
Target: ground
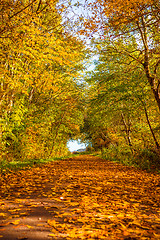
x,y
84,197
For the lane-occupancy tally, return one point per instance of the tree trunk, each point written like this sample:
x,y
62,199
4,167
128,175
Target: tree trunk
x,y
127,131
56,134
149,124
151,78
150,127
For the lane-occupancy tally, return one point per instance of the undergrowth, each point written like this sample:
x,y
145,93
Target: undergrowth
x,y
145,159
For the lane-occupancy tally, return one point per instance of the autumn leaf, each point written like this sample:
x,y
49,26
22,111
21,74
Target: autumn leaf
x,y
93,209
51,235
28,226
16,222
52,223
3,214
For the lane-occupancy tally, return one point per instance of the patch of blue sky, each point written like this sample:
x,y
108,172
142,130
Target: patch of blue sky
x,y
75,145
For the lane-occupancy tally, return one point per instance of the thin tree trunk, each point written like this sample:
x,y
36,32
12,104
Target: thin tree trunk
x,y
149,124
150,127
151,78
56,134
127,131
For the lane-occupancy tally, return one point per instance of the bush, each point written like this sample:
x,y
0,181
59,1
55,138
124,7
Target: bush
x,y
118,153
147,159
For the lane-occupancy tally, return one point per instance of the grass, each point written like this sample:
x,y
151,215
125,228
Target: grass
x,y
144,159
17,165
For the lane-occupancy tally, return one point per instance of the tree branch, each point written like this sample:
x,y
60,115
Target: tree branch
x,y
22,9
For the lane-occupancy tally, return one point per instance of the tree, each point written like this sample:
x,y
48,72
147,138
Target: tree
x,y
116,97
130,21
39,65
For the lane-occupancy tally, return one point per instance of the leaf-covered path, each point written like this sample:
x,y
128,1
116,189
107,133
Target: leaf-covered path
x,y
81,198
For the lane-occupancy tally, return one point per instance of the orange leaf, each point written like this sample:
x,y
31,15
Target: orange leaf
x,y
16,222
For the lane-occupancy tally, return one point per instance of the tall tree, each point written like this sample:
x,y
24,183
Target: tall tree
x,y
39,65
119,98
130,21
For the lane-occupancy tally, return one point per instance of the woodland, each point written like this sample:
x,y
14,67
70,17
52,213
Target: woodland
x,y
87,70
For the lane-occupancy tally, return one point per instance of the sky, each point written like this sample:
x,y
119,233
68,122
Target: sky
x,y
75,145
74,12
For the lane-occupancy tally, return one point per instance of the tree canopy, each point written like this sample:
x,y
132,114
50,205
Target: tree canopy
x,y
48,96
40,99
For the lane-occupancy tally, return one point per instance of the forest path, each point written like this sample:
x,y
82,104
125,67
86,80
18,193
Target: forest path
x,y
84,197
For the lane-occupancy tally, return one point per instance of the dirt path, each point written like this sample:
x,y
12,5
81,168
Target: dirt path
x,y
81,198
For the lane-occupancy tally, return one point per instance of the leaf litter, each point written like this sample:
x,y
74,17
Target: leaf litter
x,y
84,197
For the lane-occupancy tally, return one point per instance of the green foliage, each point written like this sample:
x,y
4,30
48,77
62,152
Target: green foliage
x,y
148,159
40,97
43,100
120,154
121,113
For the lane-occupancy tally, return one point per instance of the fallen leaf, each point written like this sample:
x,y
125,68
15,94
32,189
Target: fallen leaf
x,y
52,235
3,214
16,222
28,226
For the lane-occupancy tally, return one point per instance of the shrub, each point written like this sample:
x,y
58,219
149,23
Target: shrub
x,y
147,159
